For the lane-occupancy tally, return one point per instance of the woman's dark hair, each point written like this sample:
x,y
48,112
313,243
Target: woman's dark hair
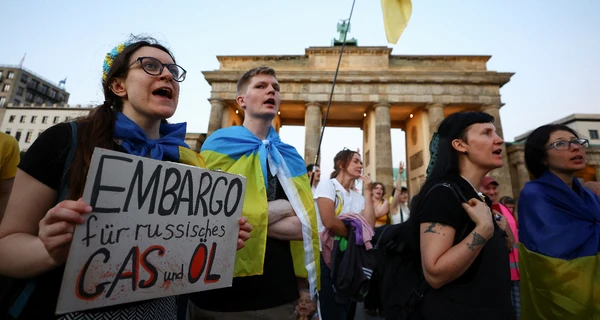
x,y
445,163
341,161
535,147
375,184
100,122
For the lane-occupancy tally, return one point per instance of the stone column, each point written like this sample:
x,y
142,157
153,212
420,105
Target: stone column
x,y
597,168
218,107
494,111
383,145
502,175
436,115
312,127
523,176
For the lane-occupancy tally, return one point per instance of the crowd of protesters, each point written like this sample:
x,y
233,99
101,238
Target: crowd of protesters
x,y
478,258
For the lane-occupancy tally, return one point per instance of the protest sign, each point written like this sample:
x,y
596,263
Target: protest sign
x,y
156,229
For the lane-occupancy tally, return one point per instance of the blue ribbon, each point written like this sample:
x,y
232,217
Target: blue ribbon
x,y
135,141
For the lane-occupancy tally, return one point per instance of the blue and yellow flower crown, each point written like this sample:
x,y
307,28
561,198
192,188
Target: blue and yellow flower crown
x,y
110,57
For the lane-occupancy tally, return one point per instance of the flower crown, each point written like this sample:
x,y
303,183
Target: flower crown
x,y
110,57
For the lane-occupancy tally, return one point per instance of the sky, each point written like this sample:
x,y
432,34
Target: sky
x,y
552,46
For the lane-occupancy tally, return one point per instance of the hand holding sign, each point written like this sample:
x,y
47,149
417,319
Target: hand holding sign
x,y
57,227
156,229
244,234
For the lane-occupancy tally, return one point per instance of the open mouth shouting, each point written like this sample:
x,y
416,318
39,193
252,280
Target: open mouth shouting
x,y
498,152
577,159
270,101
163,93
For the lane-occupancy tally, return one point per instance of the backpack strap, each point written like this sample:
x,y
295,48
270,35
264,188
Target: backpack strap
x,y
418,293
63,191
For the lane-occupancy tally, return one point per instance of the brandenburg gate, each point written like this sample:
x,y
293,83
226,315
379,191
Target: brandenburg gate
x,y
375,91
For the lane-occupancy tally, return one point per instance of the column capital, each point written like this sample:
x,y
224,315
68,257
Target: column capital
x,y
216,100
313,103
384,104
491,106
434,105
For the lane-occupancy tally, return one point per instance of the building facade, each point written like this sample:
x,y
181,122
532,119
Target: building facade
x,y
586,125
21,86
27,122
376,91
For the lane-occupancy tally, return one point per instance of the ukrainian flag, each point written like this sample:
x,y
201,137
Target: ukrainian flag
x,y
559,258
236,150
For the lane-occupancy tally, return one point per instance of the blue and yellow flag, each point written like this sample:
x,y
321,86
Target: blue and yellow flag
x,y
237,150
559,259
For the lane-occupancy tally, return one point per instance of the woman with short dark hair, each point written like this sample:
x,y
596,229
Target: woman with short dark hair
x,y
463,251
559,230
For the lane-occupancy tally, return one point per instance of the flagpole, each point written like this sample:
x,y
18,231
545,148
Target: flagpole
x,y
22,60
337,69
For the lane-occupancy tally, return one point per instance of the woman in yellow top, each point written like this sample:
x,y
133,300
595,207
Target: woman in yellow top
x,y
381,207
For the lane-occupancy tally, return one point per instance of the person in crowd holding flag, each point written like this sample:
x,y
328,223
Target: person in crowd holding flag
x,y
399,210
559,230
337,197
463,251
278,203
506,221
141,89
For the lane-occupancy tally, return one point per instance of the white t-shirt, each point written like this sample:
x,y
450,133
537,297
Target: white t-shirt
x,y
402,210
345,202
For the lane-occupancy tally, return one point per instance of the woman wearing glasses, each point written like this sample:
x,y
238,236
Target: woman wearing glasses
x,y
141,89
559,230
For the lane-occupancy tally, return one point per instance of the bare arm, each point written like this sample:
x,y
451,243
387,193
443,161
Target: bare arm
x,y
368,211
279,209
330,221
5,188
28,204
442,262
283,222
381,209
396,198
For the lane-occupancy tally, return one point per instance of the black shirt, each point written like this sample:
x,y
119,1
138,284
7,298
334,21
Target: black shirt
x,y
276,286
45,161
483,291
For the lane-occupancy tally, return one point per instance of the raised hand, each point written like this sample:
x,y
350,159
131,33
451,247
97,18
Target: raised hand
x,y
401,167
367,182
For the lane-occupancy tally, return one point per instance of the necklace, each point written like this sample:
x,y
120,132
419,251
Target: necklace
x,y
480,194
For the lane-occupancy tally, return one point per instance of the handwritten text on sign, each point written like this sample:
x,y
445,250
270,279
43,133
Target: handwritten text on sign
x,y
157,229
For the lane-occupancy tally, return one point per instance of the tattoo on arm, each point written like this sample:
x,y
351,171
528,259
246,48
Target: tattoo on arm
x,y
433,225
477,240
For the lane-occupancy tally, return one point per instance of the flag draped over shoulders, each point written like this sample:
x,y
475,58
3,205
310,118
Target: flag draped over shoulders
x,y
237,150
559,260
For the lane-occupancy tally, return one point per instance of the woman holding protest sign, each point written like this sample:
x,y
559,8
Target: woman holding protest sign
x,y
141,89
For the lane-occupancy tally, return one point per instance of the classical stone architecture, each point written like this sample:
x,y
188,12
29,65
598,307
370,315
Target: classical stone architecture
x,y
375,91
586,125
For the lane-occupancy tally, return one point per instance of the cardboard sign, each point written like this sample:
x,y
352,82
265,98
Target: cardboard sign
x,y
156,229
